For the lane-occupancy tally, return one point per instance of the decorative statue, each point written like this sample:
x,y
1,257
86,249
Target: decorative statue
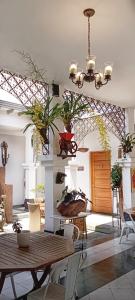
x,y
4,153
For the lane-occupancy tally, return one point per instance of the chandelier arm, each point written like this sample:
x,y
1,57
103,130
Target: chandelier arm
x,y
97,87
83,73
105,82
73,80
80,85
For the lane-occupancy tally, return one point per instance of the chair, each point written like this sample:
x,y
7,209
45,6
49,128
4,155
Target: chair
x,y
71,231
127,222
56,291
34,217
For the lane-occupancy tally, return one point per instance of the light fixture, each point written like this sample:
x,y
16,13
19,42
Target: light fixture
x,y
78,77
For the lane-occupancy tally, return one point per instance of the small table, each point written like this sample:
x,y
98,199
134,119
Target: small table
x,y
44,250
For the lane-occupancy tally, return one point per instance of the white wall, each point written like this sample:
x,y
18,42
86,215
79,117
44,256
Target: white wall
x,y
14,169
82,179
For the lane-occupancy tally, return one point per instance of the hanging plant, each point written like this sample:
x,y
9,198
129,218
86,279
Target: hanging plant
x,y
103,135
71,110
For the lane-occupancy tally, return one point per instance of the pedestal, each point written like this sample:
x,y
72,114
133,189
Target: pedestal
x,y
128,194
53,191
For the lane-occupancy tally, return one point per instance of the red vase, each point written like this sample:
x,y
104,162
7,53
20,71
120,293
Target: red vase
x,y
66,135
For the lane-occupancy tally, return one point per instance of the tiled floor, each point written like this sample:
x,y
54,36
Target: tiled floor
x,y
106,273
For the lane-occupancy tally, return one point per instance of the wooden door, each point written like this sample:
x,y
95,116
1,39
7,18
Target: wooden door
x,y
101,194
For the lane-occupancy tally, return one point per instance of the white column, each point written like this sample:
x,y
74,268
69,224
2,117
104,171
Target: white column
x,y
53,164
53,191
130,123
71,172
128,163
29,167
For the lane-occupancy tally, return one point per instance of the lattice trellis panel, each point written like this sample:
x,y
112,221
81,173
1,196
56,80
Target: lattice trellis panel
x,y
113,116
25,90
22,88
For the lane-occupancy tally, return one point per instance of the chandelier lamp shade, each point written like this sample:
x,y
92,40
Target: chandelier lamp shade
x,y
79,77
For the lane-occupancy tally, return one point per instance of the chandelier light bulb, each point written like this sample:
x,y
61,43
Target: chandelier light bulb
x,y
91,64
79,77
90,75
73,68
108,70
99,77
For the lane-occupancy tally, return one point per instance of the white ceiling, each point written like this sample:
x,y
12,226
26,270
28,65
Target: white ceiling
x,y
54,32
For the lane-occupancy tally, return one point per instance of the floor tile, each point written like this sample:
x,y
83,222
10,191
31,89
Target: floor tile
x,y
8,292
2,297
87,297
123,294
102,294
122,282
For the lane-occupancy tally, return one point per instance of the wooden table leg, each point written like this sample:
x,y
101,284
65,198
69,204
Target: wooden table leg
x,y
38,283
2,280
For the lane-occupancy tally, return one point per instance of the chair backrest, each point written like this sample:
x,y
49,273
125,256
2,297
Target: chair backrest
x,y
125,214
71,277
34,217
69,231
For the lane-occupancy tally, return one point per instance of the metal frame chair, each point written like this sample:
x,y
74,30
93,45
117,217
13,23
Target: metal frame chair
x,y
127,222
55,291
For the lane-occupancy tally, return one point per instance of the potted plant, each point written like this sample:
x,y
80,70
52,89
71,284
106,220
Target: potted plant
x,y
127,143
72,202
116,175
23,236
71,110
42,115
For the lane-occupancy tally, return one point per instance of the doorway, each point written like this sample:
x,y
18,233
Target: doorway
x,y
101,193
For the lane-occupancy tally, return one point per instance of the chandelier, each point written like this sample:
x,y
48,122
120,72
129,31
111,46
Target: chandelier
x,y
99,78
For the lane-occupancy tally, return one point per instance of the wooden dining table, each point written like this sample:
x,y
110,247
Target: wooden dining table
x,y
44,250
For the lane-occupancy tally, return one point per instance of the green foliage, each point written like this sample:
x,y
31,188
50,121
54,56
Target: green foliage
x,y
43,116
39,188
71,110
17,227
128,142
116,175
104,139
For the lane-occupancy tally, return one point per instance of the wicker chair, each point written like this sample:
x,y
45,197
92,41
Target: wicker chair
x,y
34,217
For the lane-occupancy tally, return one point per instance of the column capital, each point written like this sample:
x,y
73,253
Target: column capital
x,y
53,161
126,162
30,165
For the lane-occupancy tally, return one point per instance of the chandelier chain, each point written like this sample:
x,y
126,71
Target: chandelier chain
x,y
88,37
99,78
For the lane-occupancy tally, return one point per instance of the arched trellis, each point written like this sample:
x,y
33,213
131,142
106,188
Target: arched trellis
x,y
113,117
24,89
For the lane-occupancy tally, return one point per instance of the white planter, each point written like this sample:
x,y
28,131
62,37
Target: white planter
x,y
23,238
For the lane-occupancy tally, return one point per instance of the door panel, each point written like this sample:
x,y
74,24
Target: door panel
x,y
101,181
